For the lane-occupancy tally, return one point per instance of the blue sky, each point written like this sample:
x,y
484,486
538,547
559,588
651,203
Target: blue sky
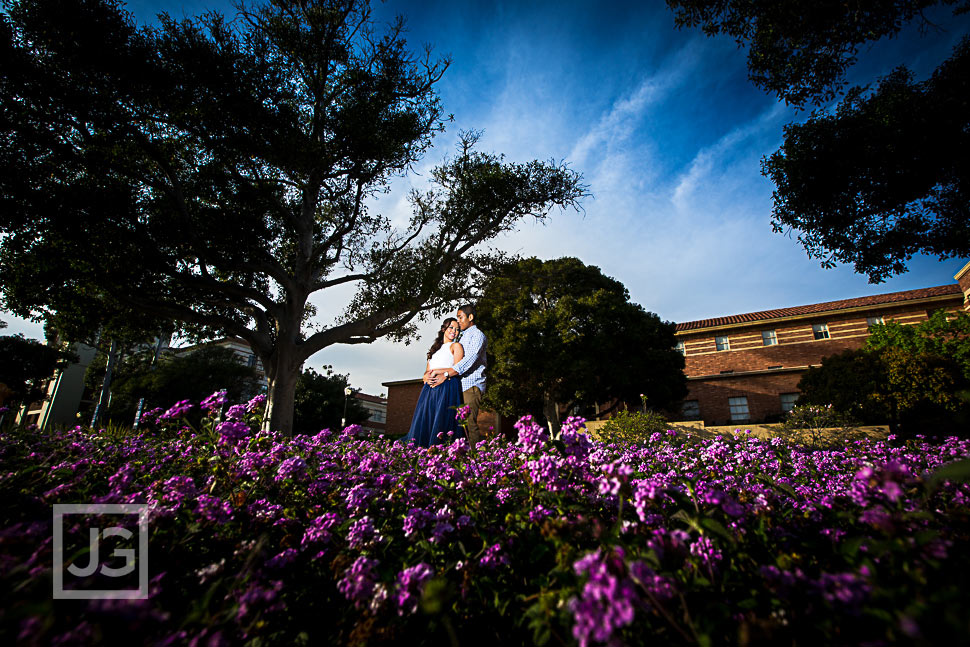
x,y
665,128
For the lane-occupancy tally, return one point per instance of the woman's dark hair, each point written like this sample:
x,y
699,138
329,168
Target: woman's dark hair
x,y
440,339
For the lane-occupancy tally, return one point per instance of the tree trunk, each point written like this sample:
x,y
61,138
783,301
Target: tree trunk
x,y
282,375
550,409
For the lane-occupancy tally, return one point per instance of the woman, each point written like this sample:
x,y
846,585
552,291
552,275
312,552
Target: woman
x,y
438,405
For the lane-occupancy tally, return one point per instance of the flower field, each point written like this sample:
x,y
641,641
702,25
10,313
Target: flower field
x,y
332,539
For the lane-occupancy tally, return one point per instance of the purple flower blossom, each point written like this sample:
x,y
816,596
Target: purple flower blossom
x,y
362,533
232,431
294,468
214,402
256,402
236,412
410,586
357,583
178,410
608,600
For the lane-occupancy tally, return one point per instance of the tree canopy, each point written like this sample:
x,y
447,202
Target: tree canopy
x,y
563,335
321,402
882,175
905,375
192,375
25,363
214,175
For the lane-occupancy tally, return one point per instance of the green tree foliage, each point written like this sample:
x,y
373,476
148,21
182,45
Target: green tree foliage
x,y
881,177
563,335
946,334
216,173
320,402
25,363
853,382
190,375
911,377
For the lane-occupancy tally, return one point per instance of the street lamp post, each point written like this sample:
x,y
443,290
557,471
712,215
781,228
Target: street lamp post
x,y
347,392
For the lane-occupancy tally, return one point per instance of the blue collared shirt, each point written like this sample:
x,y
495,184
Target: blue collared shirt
x,y
471,368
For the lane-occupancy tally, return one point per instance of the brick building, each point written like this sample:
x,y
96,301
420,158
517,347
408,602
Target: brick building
x,y
376,406
746,367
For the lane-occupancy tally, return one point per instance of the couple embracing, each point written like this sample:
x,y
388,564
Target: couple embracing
x,y
454,377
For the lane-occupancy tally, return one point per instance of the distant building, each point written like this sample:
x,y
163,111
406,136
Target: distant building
x,y
746,368
64,392
376,406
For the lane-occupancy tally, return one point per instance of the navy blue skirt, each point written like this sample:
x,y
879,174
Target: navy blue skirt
x,y
435,413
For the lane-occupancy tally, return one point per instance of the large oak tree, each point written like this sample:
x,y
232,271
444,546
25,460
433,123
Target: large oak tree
x,y
882,175
215,174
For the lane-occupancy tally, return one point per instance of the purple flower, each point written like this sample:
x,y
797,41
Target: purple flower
x,y
215,401
493,557
232,431
177,410
213,509
410,586
256,402
294,468
608,600
357,583
236,412
362,533
532,437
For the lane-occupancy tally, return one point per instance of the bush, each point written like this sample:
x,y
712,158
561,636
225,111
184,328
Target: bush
x,y
813,419
329,539
635,427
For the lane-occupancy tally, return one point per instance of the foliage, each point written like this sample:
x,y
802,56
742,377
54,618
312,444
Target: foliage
x,y
563,335
25,363
329,539
813,419
179,376
215,174
883,175
906,388
853,382
632,427
320,402
946,334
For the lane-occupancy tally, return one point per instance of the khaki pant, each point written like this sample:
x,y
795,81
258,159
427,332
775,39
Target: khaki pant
x,y
472,398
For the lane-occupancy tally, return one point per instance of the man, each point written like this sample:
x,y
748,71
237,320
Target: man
x,y
471,368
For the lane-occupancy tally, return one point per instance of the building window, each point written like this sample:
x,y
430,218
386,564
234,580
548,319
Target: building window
x,y
739,408
821,331
788,401
680,348
691,410
875,321
721,342
769,338
251,361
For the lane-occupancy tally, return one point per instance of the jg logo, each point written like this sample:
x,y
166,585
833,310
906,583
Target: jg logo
x,y
131,558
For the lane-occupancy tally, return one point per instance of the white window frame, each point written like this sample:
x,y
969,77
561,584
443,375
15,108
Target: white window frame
x,y
680,348
788,402
739,408
721,342
820,331
691,410
769,337
878,320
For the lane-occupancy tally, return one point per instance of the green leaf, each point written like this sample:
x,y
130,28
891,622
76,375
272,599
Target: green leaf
x,y
956,472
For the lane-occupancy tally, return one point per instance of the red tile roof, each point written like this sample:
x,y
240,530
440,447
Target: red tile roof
x,y
876,299
366,397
